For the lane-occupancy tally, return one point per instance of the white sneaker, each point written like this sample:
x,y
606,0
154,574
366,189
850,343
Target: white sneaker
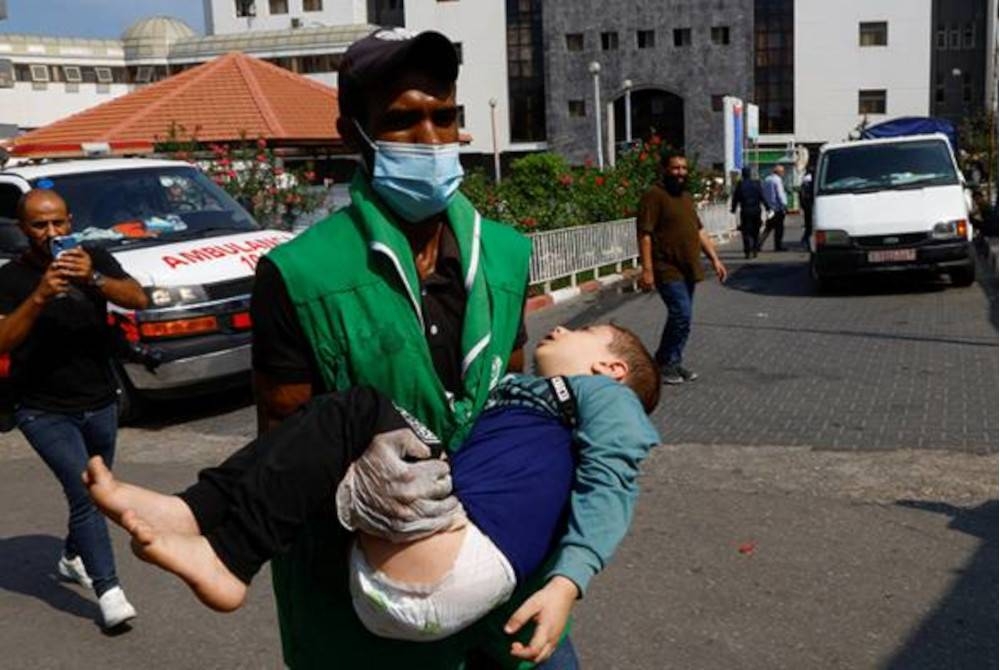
x,y
115,609
72,569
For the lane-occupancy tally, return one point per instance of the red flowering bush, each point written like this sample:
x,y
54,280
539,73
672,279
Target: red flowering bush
x,y
250,172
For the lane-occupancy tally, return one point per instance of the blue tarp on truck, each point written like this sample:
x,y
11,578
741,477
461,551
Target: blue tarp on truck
x,y
912,125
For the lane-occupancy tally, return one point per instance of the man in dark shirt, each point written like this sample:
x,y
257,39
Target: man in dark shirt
x,y
53,322
748,195
671,240
807,199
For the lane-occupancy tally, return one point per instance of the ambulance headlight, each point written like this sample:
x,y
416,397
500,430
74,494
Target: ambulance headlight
x,y
167,296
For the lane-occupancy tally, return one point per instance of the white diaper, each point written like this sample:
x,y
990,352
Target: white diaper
x,y
480,579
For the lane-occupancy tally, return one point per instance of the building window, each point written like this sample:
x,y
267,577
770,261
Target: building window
x,y
8,74
717,103
525,71
645,39
458,51
966,86
871,101
720,35
609,41
312,5
969,36
682,37
40,74
873,33
104,75
774,64
574,41
278,6
245,8
577,108
460,112
144,74
954,39
319,63
386,13
939,87
71,74
941,37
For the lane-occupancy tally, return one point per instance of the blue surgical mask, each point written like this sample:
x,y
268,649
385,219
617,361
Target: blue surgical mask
x,y
417,181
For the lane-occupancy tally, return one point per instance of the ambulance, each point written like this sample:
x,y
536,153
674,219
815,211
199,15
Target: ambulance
x,y
190,245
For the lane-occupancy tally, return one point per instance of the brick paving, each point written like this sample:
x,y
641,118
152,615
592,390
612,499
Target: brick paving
x,y
902,365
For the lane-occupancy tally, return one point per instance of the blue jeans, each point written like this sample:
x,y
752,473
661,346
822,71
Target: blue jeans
x,y
65,442
563,658
678,296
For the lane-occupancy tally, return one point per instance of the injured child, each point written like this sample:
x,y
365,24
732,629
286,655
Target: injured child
x,y
549,468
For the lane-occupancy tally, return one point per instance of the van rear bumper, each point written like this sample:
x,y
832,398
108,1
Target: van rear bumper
x,y
933,256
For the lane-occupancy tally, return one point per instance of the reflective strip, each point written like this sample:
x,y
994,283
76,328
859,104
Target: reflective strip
x,y
473,352
379,246
470,276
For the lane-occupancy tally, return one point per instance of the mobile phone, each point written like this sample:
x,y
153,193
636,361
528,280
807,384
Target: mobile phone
x,y
63,243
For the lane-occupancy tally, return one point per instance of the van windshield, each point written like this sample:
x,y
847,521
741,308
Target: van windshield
x,y
876,167
119,206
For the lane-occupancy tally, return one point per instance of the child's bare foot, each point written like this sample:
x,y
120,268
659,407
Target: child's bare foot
x,y
191,558
164,513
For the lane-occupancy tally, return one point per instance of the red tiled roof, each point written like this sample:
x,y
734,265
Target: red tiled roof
x,y
226,96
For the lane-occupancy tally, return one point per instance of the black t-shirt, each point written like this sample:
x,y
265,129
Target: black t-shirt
x,y
64,363
281,350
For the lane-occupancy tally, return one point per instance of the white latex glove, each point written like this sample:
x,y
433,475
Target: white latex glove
x,y
399,500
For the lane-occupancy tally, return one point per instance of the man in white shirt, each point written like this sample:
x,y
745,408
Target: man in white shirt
x,y
777,201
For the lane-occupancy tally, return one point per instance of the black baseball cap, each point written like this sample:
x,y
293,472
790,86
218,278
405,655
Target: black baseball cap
x,y
373,60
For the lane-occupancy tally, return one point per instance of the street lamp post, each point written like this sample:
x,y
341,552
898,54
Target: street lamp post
x,y
595,69
627,85
496,150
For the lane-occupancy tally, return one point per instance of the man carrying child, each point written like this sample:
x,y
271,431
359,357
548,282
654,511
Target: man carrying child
x,y
580,426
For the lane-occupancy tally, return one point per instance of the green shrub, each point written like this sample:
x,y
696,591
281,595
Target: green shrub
x,y
543,192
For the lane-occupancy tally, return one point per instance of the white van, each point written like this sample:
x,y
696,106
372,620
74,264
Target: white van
x,y
887,205
185,240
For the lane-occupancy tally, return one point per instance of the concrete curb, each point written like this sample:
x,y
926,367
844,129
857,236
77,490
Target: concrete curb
x,y
561,295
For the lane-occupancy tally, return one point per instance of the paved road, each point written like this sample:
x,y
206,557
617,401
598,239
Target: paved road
x,y
826,497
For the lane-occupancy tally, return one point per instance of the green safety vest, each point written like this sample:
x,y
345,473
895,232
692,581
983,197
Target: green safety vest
x,y
355,289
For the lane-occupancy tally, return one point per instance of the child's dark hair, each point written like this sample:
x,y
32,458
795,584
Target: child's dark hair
x,y
643,372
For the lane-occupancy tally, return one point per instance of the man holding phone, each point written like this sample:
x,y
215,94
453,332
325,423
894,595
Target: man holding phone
x,y
61,370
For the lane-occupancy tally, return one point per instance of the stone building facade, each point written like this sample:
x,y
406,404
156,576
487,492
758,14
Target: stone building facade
x,y
681,56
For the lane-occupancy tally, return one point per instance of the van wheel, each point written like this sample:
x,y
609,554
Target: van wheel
x,y
820,283
129,402
963,276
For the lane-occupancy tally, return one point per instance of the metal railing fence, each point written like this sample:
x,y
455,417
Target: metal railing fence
x,y
567,252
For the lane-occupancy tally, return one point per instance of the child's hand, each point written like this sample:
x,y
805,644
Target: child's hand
x,y
549,608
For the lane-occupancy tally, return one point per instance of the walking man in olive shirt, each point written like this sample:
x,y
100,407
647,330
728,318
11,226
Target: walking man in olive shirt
x,y
671,240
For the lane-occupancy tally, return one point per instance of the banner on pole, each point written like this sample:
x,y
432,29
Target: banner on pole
x,y
733,133
753,122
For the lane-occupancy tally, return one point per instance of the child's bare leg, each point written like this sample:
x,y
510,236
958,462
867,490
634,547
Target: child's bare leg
x,y
165,513
191,558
